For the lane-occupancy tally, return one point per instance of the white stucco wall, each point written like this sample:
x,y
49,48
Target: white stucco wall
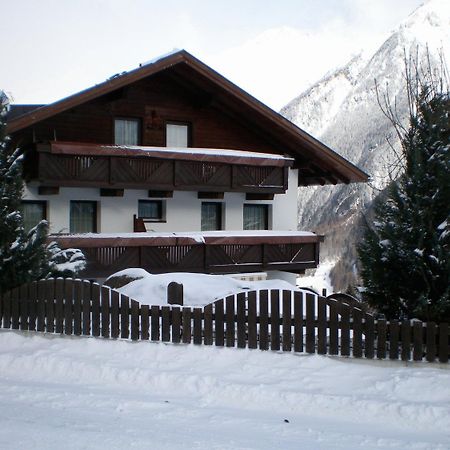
x,y
284,210
183,211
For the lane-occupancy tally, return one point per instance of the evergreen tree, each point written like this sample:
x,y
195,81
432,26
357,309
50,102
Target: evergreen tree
x,y
405,253
25,256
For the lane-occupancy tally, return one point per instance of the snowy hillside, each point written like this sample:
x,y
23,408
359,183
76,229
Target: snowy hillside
x,y
92,393
313,109
342,111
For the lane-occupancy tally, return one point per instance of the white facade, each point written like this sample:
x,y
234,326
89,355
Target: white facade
x,y
182,212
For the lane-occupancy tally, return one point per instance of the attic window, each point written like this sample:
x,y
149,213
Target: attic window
x,y
177,135
126,131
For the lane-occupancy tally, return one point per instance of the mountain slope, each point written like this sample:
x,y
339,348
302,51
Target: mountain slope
x,y
342,111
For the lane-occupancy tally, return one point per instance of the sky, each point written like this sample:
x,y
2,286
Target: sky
x,y
272,49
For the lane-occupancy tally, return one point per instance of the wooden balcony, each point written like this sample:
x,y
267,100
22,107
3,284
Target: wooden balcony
x,y
217,252
102,166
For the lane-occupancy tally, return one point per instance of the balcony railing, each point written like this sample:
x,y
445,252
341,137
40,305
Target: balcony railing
x,y
210,252
160,169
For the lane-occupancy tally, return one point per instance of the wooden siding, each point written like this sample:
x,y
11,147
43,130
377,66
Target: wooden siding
x,y
155,100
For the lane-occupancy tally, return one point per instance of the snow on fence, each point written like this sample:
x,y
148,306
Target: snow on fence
x,y
275,320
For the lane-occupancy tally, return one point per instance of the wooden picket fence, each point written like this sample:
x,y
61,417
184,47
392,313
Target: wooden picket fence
x,y
275,320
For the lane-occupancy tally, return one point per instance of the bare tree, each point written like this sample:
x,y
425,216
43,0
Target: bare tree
x,y
422,76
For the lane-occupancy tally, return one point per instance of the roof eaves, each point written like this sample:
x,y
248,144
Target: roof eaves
x,y
272,115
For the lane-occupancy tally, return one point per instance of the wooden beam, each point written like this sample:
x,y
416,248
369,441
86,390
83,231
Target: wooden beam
x,y
327,173
160,194
315,175
48,190
210,195
312,181
256,196
107,192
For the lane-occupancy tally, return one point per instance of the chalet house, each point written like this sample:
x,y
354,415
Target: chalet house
x,y
171,167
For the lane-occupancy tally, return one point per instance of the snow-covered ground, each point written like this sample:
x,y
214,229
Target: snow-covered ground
x,y
89,393
198,289
320,278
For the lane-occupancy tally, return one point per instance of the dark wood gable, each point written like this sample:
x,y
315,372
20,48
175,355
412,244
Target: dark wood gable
x,y
155,101
181,88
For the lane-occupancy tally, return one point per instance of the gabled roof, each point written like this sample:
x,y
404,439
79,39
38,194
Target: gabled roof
x,y
318,164
19,110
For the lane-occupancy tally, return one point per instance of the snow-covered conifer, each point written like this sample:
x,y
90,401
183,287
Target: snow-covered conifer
x,y
24,256
405,255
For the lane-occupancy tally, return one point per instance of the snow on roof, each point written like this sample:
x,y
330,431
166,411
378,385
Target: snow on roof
x,y
206,151
197,154
197,236
159,57
154,239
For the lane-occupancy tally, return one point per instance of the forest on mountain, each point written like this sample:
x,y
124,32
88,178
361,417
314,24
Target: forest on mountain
x,y
342,110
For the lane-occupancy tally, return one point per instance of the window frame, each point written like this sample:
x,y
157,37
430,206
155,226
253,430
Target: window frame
x,y
136,119
220,208
162,209
180,123
42,203
95,218
266,207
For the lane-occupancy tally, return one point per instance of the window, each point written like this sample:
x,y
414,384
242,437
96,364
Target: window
x,y
177,135
83,217
256,217
151,210
211,216
126,131
32,213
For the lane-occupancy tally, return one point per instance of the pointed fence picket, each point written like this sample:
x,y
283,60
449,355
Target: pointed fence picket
x,y
267,319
